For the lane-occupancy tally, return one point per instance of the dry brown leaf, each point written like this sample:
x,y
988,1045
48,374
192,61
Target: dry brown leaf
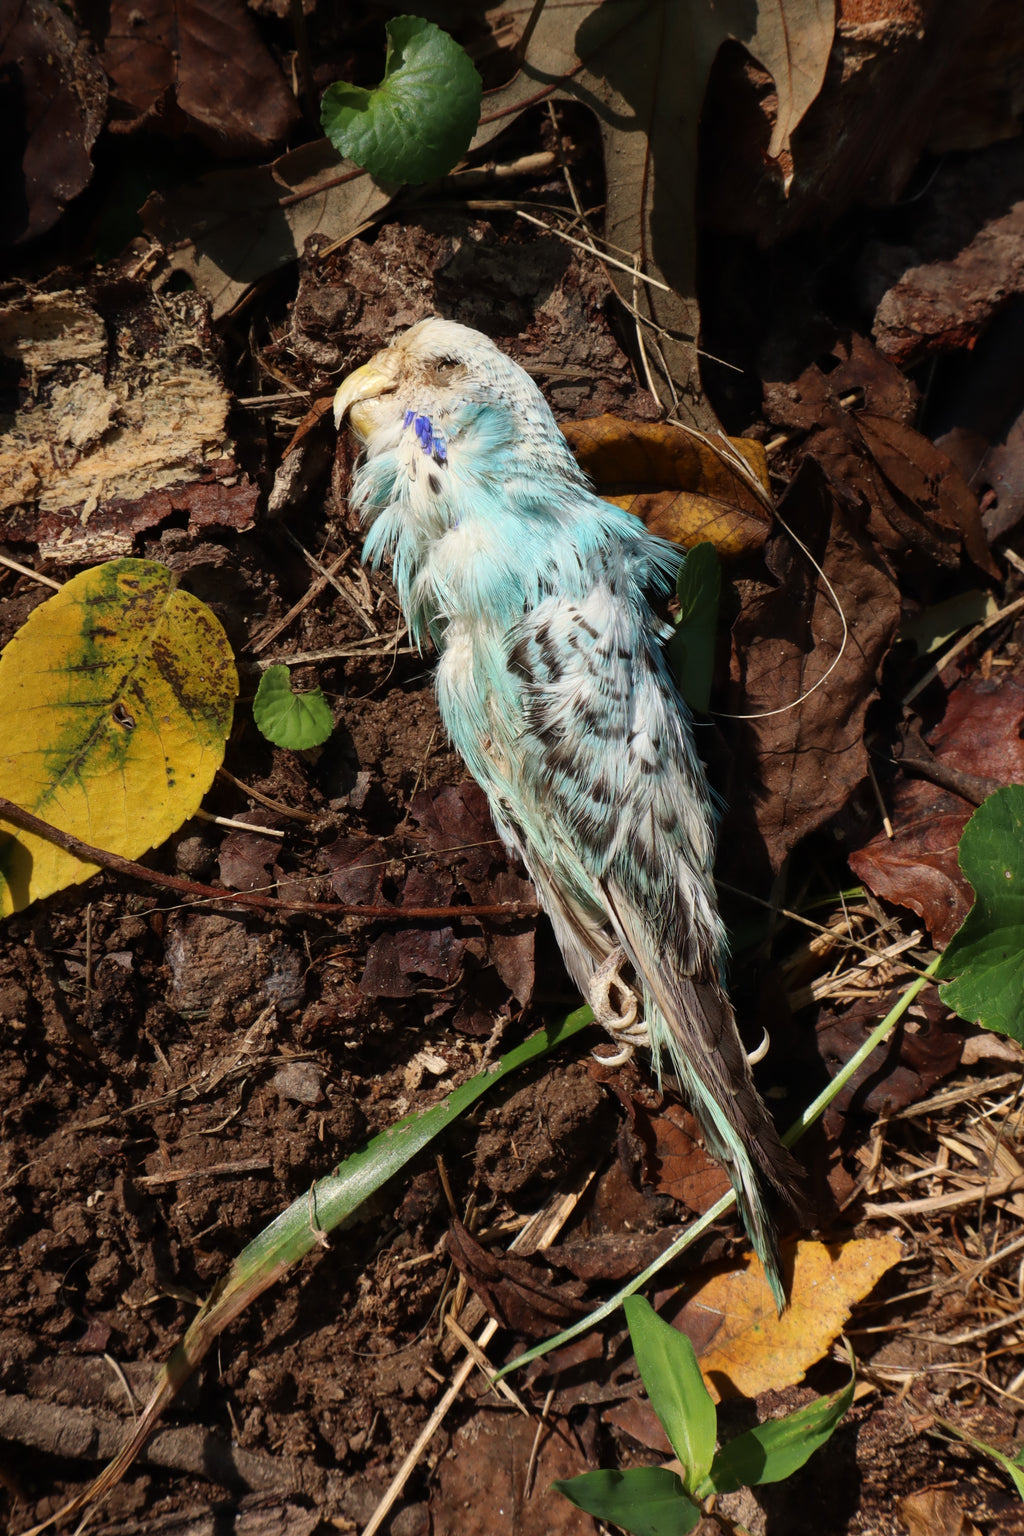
x,y
796,766
752,1349
196,66
55,104
935,1512
918,867
614,59
679,482
229,228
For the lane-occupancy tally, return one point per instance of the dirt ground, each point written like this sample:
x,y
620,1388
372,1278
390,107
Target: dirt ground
x,y
174,1071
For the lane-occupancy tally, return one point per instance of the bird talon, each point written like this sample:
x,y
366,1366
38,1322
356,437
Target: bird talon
x,y
616,1059
759,1054
615,1007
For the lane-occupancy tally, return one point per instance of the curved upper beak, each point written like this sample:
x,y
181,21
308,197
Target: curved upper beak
x,y
366,383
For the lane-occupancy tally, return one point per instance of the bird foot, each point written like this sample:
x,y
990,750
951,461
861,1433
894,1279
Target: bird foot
x,y
615,1007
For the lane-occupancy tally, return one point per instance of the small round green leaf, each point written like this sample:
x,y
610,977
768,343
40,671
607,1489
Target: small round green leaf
x,y
296,720
419,121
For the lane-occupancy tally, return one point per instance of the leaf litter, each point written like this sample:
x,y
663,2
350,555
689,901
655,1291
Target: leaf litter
x,y
94,1090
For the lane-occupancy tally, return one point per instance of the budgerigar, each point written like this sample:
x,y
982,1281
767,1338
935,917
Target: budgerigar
x,y
552,685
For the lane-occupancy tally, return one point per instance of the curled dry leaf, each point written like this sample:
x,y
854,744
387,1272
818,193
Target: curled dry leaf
x,y
935,1512
683,484
56,102
853,412
903,1069
520,1293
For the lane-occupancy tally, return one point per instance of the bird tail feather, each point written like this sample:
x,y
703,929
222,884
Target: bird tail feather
x,y
707,1056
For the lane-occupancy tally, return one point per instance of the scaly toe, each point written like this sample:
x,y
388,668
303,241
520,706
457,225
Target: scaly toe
x,y
616,1008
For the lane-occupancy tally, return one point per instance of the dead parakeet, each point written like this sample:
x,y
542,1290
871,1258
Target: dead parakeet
x,y
552,685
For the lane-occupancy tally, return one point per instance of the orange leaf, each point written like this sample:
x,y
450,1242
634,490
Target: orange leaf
x,y
683,485
751,1349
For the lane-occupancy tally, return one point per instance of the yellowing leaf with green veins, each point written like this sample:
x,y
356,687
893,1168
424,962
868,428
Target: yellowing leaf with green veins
x,y
116,700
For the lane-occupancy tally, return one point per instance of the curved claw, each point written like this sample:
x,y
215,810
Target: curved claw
x,y
616,1059
753,1057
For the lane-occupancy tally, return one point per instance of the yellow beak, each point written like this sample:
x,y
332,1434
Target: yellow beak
x,y
366,383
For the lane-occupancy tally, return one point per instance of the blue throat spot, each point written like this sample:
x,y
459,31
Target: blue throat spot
x,y
431,442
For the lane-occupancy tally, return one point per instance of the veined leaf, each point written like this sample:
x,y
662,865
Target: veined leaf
x,y
116,700
296,720
418,122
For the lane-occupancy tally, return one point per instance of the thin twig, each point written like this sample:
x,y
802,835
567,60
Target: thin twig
x,y
88,854
26,570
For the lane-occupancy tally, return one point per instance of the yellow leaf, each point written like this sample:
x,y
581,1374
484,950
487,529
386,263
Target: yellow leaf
x,y
116,700
750,1348
685,486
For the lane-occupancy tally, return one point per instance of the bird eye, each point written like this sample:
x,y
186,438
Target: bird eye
x,y
446,364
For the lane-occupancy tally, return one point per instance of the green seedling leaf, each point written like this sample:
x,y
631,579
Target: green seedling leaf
x,y
769,1453
116,699
419,121
295,720
1013,1466
986,954
675,1387
648,1501
691,649
932,627
329,1205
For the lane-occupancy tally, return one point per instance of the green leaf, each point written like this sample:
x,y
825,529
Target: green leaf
x,y
691,649
419,121
771,1452
986,954
675,1387
649,1501
296,720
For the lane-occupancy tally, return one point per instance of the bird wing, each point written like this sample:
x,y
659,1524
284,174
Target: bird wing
x,y
607,755
623,826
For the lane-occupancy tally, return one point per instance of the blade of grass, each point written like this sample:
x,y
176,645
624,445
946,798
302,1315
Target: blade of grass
x,y
330,1203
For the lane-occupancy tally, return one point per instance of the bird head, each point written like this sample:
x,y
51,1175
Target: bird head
x,y
447,392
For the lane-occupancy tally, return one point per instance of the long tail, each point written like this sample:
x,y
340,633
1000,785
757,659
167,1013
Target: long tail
x,y
705,1052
